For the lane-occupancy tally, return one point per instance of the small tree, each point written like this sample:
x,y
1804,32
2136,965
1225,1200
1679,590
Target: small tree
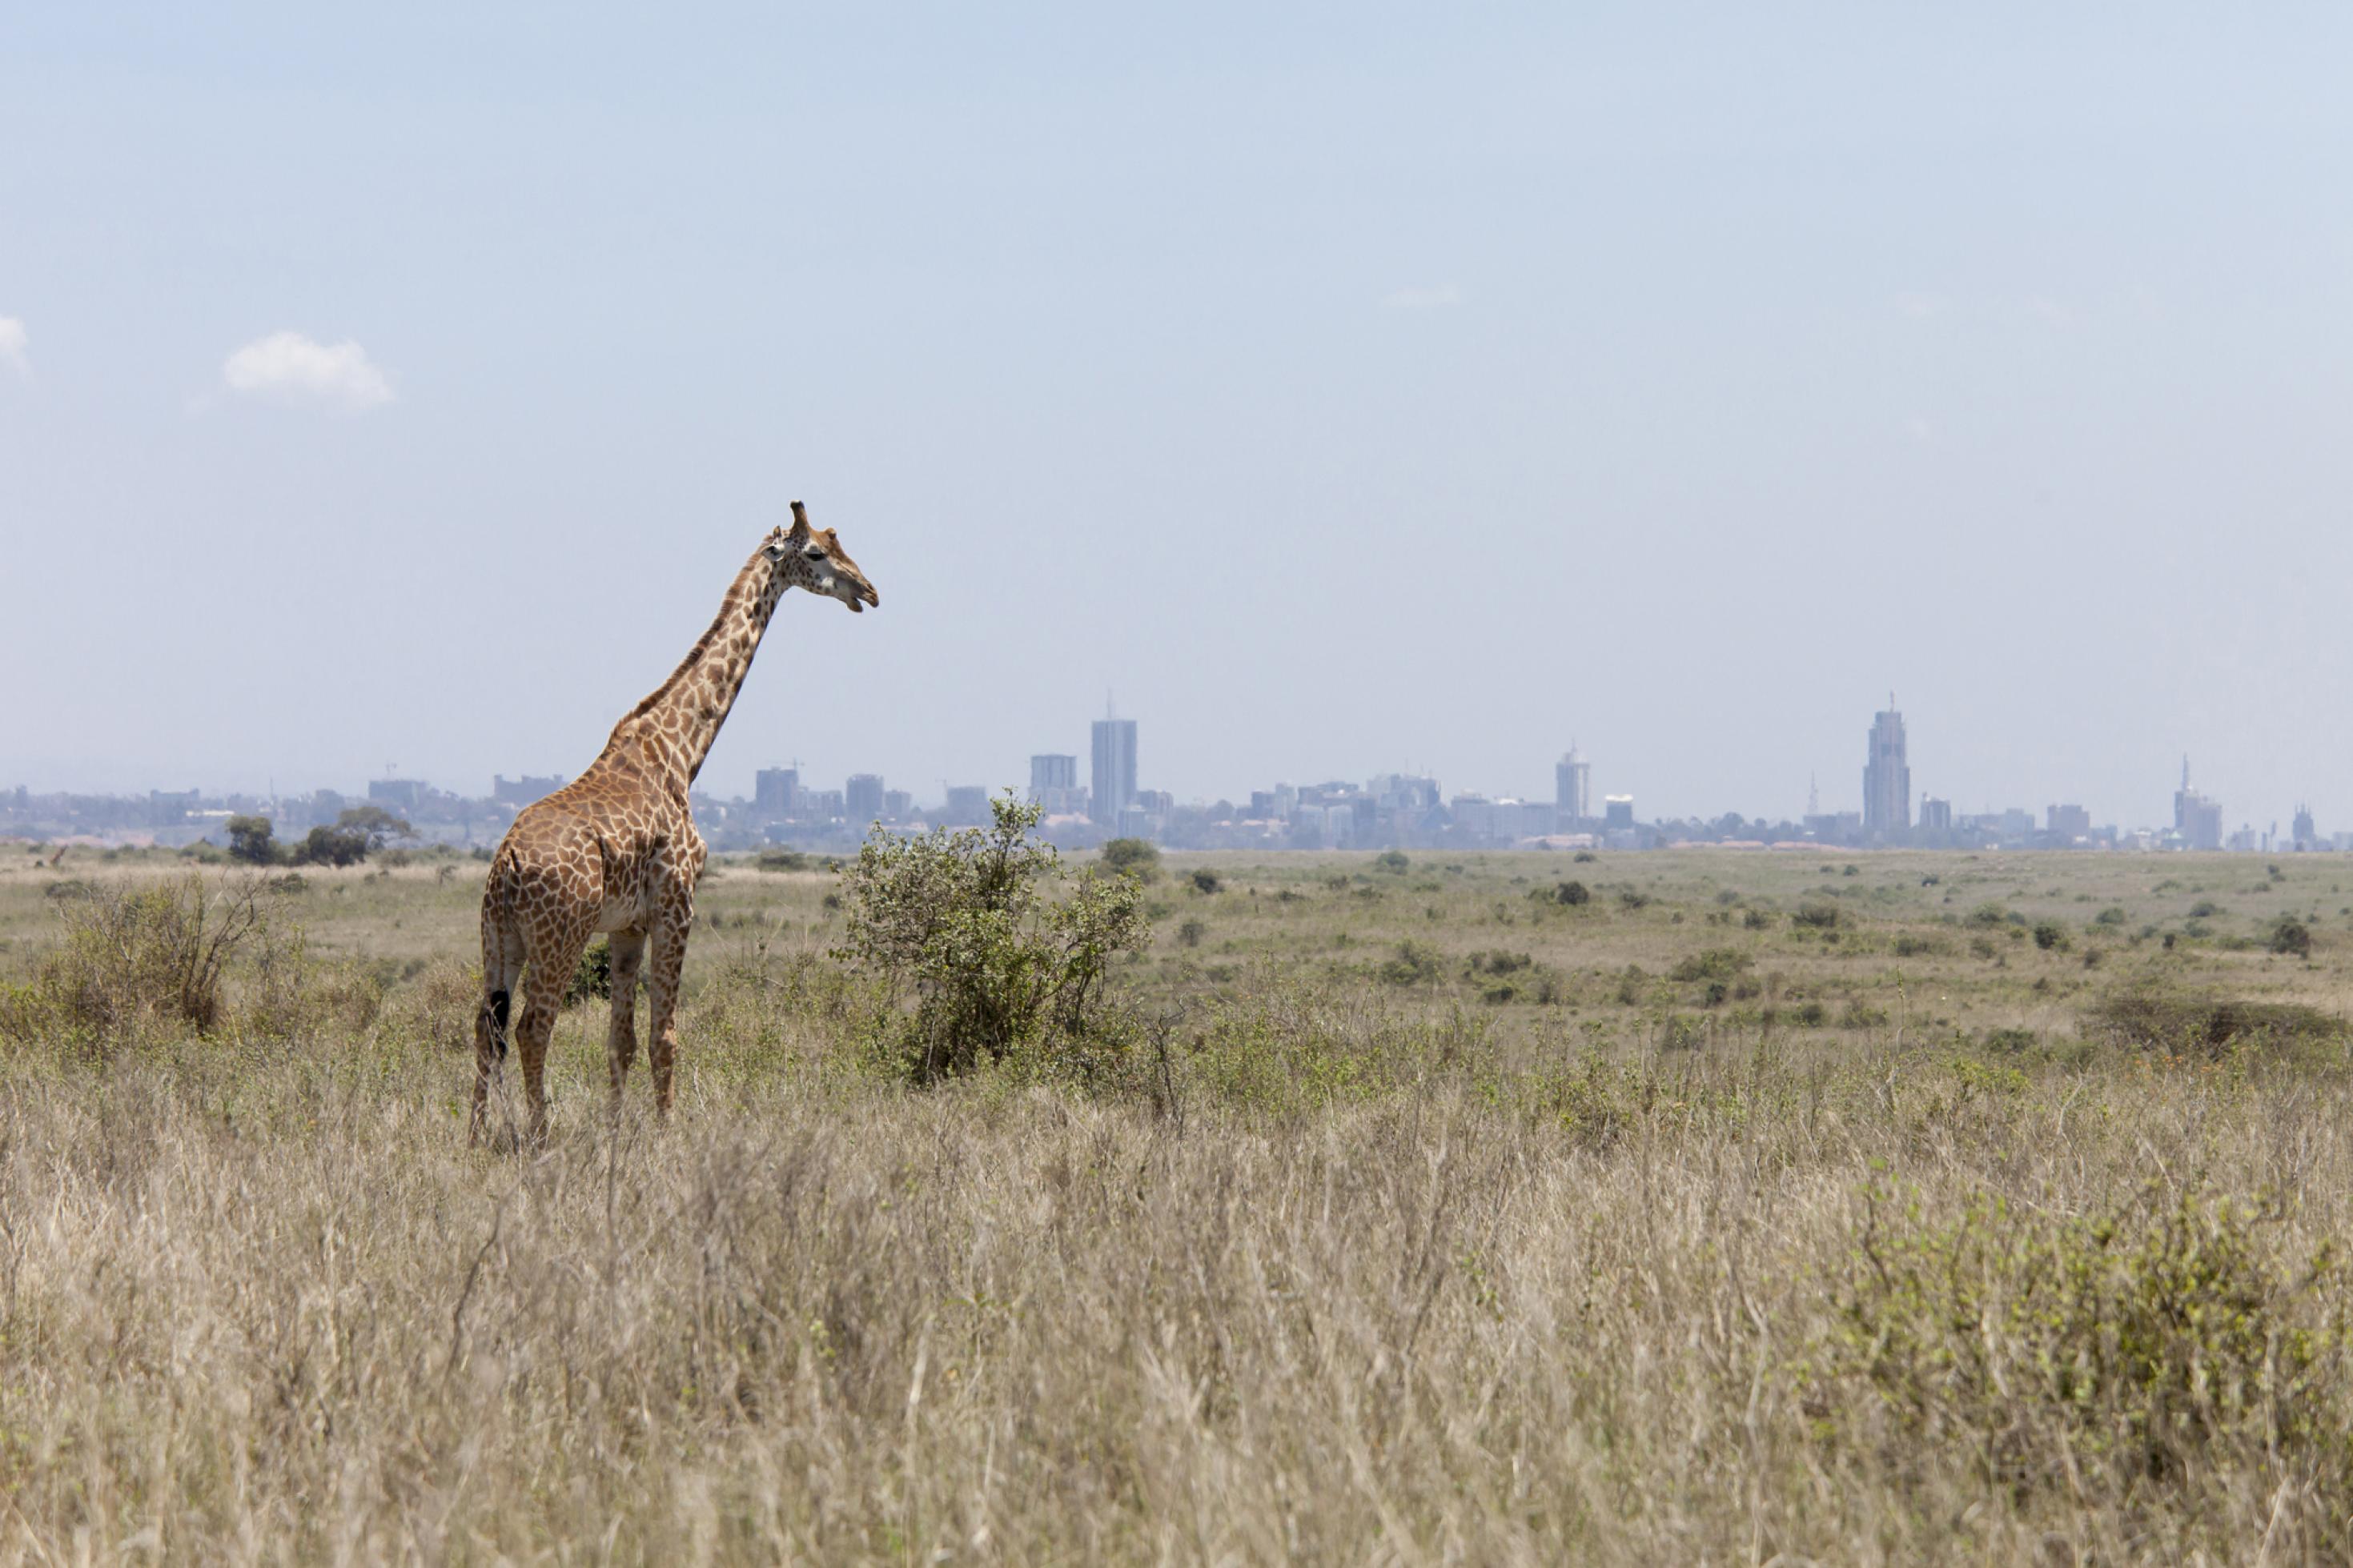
x,y
1136,858
968,927
378,825
249,840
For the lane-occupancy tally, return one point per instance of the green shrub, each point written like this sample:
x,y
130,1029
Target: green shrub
x,y
984,946
592,975
783,860
1393,861
1573,894
2114,915
134,959
2162,1016
1988,914
1206,881
1189,934
2098,1357
1414,964
2291,936
2050,936
1917,946
1815,915
1715,963
1136,858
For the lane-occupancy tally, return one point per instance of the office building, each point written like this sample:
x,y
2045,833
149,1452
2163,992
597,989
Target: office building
x,y
2196,818
776,791
1114,779
862,798
1887,780
1573,788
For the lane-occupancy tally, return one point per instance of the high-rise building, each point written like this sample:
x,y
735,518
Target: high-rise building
x,y
1887,779
1617,812
776,791
862,798
1573,787
1113,778
1936,815
2196,818
2306,836
966,807
2066,824
1052,771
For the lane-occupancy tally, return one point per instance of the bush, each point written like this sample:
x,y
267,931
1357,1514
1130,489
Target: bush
x,y
1573,894
2291,936
1815,915
1413,966
1393,861
2098,1357
592,975
135,958
985,947
2160,1016
1206,881
1715,963
2050,936
782,860
1136,858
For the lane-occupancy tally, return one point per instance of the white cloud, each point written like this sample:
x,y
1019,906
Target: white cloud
x,y
291,368
1422,299
12,346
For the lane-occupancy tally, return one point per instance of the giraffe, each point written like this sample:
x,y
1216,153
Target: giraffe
x,y
615,850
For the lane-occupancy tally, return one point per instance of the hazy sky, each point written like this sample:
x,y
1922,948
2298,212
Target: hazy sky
x,y
1351,388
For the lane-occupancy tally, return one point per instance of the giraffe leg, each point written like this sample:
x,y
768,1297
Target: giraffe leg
x,y
543,985
662,984
628,951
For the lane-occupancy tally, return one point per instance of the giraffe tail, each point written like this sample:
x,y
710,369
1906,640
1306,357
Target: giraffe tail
x,y
501,954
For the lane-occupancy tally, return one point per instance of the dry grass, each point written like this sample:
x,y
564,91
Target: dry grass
x,y
1360,1271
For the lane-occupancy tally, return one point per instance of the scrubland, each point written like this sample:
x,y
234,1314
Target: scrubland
x,y
1730,1207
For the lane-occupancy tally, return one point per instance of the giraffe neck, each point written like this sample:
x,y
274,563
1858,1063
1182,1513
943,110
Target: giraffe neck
x,y
679,722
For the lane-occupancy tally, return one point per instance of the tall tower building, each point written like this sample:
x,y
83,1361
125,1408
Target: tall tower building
x,y
1113,782
1573,787
862,798
1888,778
2196,818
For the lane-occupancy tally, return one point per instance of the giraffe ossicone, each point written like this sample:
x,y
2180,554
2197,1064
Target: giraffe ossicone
x,y
615,850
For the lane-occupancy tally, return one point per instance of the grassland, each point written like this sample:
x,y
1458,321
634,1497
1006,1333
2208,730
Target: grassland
x,y
1883,1207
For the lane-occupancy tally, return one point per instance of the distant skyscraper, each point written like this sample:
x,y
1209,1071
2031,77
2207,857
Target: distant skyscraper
x,y
2306,836
2197,819
1936,815
1114,779
1573,786
1888,778
776,791
862,798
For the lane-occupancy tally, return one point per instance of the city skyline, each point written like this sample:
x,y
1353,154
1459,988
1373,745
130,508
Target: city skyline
x,y
1334,811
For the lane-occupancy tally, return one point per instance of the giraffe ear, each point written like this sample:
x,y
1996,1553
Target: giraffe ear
x,y
800,524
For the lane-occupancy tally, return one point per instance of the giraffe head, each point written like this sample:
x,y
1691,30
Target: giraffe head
x,y
812,558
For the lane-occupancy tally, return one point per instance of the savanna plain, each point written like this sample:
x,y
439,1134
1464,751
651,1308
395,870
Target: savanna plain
x,y
1703,1206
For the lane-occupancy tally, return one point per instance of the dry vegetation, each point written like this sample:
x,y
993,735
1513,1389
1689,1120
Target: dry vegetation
x,y
1743,1208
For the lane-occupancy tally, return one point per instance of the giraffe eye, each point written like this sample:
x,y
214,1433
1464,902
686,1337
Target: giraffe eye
x,y
815,553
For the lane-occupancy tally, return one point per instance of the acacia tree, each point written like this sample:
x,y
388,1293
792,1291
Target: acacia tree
x,y
984,944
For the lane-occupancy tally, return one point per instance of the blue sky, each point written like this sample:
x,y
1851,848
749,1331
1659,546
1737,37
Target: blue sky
x,y
1348,388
